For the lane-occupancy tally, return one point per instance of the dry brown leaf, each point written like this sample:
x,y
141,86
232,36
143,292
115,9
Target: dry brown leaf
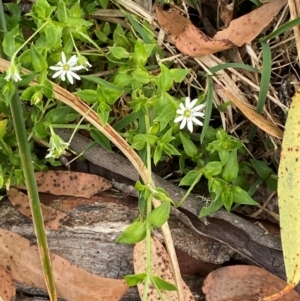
x,y
61,182
161,267
254,117
72,283
52,218
7,285
193,42
243,282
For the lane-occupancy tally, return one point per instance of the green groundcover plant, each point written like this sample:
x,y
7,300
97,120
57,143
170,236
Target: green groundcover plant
x,y
107,65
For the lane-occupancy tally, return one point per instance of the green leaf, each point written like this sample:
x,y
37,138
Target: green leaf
x,y
159,215
165,78
231,168
133,233
8,91
119,52
103,83
38,61
157,154
167,114
123,79
133,280
241,196
170,150
140,141
216,187
188,145
140,56
87,95
58,115
227,197
178,75
190,177
53,34
10,44
3,124
212,168
262,169
213,207
104,4
100,138
162,284
141,76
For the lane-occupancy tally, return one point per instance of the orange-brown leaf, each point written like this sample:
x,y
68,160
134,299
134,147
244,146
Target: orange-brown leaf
x,y
52,218
243,282
193,42
7,285
72,282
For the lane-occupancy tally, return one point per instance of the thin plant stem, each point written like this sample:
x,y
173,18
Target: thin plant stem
x,y
27,166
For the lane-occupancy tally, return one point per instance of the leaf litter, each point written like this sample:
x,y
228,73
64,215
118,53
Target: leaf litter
x,y
193,42
22,260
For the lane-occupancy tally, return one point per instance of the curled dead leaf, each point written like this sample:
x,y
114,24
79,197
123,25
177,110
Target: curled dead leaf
x,y
243,282
72,283
193,42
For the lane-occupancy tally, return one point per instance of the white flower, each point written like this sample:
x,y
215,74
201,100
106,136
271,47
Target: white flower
x,y
66,68
13,73
188,113
57,146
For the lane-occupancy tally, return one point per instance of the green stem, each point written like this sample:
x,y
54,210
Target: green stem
x,y
3,27
34,201
189,190
26,161
28,40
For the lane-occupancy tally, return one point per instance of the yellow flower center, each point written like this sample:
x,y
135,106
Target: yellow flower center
x,y
66,67
187,113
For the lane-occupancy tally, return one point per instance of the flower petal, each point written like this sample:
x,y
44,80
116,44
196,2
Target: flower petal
x,y
200,107
182,107
187,102
70,77
183,123
73,74
200,114
63,76
57,74
55,68
192,104
76,68
73,60
63,58
179,119
190,125
197,121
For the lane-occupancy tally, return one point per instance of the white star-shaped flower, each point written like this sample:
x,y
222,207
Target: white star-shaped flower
x,y
188,114
13,73
66,68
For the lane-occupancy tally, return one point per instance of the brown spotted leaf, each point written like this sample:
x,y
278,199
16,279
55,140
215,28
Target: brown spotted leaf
x,y
7,285
193,42
61,182
243,282
72,283
161,267
52,218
